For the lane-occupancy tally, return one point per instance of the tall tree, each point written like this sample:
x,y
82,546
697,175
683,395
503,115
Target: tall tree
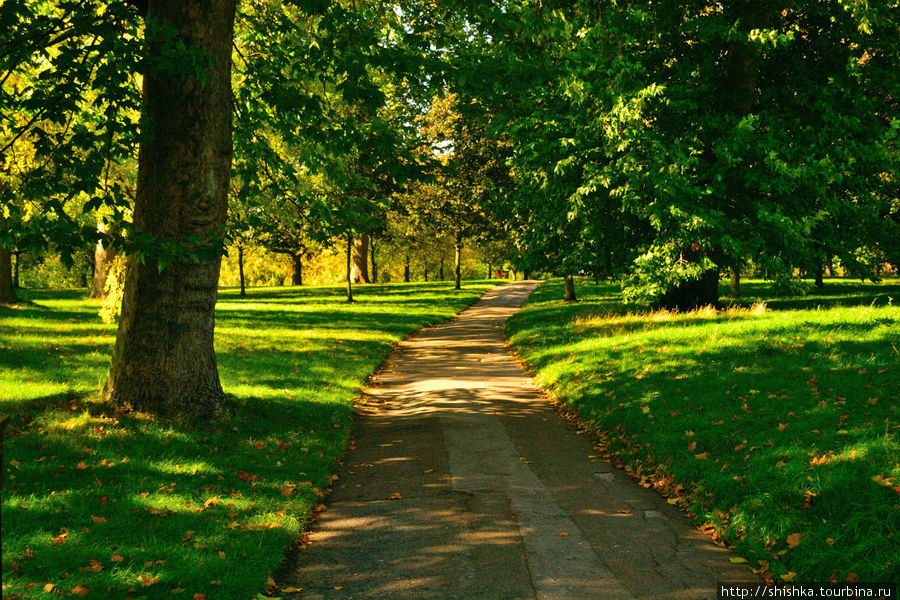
x,y
164,359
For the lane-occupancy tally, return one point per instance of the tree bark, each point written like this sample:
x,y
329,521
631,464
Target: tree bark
x,y
458,269
241,270
374,268
820,273
406,269
489,270
16,256
7,288
164,360
349,268
441,270
297,268
570,288
360,272
735,283
103,257
425,269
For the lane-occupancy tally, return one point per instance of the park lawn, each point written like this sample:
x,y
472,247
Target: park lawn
x,y
776,427
107,505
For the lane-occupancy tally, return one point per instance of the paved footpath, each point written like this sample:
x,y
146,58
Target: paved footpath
x,y
465,484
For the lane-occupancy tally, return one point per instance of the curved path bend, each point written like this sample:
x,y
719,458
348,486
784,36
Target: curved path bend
x,y
465,484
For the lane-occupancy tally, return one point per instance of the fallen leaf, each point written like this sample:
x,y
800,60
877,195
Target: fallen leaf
x,y
94,566
829,541
116,558
199,596
737,559
80,590
147,580
563,534
702,456
793,540
789,576
395,496
291,590
98,519
48,587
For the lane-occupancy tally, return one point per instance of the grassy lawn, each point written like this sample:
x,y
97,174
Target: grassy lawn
x,y
99,504
776,426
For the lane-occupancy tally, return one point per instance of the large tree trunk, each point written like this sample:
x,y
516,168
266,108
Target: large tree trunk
x,y
164,360
425,269
297,269
349,268
735,283
241,270
441,270
406,269
103,257
7,287
489,270
458,268
374,268
360,272
570,288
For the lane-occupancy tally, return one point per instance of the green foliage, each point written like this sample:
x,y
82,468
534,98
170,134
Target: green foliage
x,y
775,423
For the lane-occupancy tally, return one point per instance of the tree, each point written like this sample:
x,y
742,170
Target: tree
x,y
164,359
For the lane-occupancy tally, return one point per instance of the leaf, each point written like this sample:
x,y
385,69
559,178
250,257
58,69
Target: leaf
x,y
116,558
147,580
94,566
48,587
563,534
80,590
291,590
702,456
793,540
395,496
737,559
98,519
289,490
789,576
199,596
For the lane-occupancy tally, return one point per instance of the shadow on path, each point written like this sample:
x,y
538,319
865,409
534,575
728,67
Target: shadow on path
x,y
465,484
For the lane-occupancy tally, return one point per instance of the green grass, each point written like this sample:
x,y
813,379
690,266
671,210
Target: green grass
x,y
776,428
128,506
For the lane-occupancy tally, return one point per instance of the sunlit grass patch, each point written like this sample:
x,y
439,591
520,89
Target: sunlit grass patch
x,y
127,506
775,422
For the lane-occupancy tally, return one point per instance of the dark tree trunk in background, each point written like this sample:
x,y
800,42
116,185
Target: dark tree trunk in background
x,y
164,360
735,282
16,256
349,268
360,272
7,288
104,254
570,288
820,274
406,269
374,268
441,270
425,268
524,274
458,269
829,267
241,270
489,271
297,269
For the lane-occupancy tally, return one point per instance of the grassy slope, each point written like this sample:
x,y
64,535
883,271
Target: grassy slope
x,y
127,506
777,429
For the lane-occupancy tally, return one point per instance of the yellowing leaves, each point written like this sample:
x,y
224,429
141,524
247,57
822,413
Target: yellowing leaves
x,y
793,540
94,566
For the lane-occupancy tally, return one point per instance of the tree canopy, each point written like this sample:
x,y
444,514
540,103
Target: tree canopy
x,y
660,143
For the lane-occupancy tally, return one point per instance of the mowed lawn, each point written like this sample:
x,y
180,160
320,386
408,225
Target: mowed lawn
x,y
775,426
99,504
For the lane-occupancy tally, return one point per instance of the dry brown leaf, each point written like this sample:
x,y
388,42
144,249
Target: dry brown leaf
x,y
793,540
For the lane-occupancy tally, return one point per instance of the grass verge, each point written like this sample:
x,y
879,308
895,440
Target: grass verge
x,y
97,504
775,426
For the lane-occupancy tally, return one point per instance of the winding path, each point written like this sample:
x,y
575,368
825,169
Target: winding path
x,y
464,484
